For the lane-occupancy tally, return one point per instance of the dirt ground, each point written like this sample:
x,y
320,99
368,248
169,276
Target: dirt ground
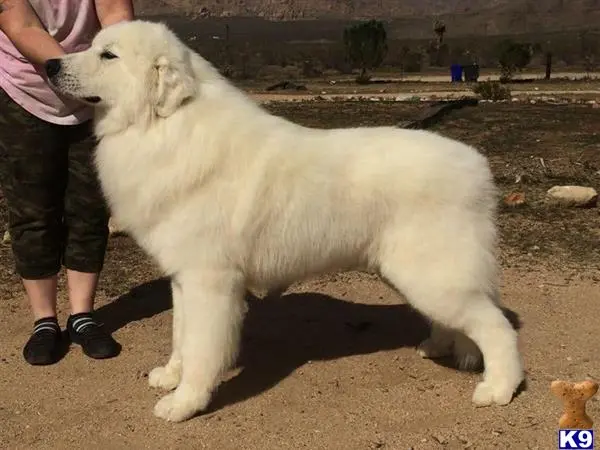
x,y
384,84
332,364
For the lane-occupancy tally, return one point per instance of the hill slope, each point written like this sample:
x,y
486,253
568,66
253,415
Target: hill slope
x,y
489,16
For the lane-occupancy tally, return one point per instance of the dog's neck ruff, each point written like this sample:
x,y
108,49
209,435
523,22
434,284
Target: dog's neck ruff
x,y
112,121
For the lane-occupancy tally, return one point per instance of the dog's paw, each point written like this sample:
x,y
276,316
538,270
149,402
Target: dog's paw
x,y
166,377
173,409
180,405
432,349
487,393
467,355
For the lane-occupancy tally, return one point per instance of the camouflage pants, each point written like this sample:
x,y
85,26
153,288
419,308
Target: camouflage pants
x,y
57,214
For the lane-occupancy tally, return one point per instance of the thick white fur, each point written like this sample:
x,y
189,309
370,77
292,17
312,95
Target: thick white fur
x,y
226,197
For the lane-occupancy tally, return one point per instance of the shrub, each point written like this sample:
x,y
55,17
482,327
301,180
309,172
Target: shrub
x,y
513,57
492,90
366,46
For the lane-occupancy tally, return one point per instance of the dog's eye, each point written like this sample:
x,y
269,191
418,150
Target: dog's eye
x,y
107,55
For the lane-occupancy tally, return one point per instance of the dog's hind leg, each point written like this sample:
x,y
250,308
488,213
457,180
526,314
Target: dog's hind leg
x,y
444,342
452,281
473,313
168,376
439,343
212,314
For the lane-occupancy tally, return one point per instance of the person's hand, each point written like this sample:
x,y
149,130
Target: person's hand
x,y
19,22
21,25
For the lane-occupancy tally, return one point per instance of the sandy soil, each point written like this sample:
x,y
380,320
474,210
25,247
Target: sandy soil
x,y
332,364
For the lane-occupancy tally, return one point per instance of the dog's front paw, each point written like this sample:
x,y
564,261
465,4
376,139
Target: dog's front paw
x,y
166,377
487,394
181,405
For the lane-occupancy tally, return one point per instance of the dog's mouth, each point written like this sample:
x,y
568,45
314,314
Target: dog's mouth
x,y
93,99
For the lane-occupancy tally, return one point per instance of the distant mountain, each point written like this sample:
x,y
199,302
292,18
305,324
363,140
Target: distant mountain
x,y
318,9
489,16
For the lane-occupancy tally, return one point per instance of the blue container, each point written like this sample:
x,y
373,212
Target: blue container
x,y
456,71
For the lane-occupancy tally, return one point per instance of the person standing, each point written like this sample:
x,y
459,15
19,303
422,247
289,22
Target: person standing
x,y
57,213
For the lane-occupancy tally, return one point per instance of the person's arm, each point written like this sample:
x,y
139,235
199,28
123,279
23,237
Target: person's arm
x,y
113,11
19,22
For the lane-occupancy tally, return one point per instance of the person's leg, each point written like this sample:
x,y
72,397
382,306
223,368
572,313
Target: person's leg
x,y
42,296
82,290
33,170
86,220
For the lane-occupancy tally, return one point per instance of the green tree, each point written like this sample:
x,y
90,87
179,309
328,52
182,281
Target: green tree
x,y
513,57
366,46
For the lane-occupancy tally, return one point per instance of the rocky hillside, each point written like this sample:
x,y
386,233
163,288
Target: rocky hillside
x,y
559,13
316,9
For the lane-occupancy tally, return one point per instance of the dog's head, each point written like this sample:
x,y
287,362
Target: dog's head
x,y
130,68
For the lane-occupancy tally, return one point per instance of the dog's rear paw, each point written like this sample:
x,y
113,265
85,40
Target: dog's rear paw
x,y
433,349
166,377
467,355
181,405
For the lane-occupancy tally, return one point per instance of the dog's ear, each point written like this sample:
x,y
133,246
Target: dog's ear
x,y
174,83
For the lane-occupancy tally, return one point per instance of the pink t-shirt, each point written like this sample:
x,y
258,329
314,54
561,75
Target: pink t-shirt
x,y
73,23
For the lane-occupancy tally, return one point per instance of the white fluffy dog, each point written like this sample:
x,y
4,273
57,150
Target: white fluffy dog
x,y
226,196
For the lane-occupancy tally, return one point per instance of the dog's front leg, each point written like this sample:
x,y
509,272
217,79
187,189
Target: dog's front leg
x,y
212,310
168,376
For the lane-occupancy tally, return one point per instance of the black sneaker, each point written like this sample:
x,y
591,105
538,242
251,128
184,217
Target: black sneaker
x,y
95,341
45,344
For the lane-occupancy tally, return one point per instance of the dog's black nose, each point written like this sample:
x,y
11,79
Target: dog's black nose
x,y
52,67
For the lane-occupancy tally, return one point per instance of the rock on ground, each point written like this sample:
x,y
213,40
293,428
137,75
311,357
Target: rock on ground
x,y
572,196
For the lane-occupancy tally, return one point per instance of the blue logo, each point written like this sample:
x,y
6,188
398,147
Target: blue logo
x,y
575,439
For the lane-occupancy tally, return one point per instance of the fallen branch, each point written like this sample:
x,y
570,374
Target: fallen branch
x,y
286,85
436,112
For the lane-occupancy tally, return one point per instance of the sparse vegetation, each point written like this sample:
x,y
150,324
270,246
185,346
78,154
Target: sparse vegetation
x,y
513,57
274,45
492,90
439,29
366,46
441,50
589,50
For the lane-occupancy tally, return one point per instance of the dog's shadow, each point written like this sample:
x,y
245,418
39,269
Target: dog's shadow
x,y
282,334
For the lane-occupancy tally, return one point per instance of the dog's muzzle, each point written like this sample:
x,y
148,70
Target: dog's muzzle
x,y
53,67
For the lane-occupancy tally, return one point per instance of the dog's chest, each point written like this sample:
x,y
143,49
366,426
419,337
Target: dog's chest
x,y
125,180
